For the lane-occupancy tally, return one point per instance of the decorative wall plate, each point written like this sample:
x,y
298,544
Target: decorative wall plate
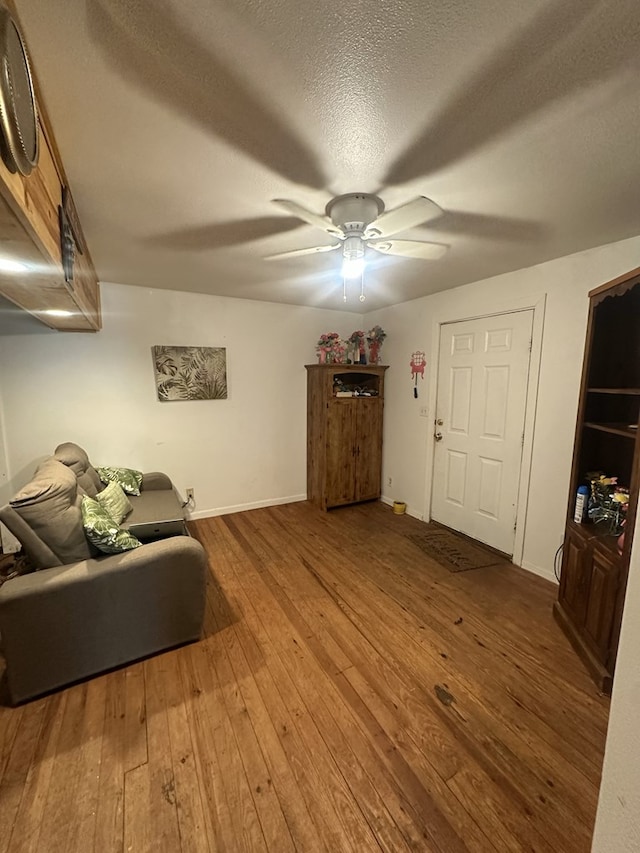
x,y
18,112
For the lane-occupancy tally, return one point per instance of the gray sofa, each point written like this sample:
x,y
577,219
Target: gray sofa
x,y
81,613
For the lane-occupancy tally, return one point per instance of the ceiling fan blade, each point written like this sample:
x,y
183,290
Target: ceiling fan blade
x,y
410,249
298,253
314,219
402,218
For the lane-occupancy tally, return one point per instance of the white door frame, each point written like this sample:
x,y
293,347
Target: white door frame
x,y
537,304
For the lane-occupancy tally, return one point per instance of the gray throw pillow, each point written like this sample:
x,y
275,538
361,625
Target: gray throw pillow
x,y
129,479
114,500
102,531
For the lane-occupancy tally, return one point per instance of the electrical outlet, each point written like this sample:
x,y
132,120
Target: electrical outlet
x,y
190,495
424,412
389,481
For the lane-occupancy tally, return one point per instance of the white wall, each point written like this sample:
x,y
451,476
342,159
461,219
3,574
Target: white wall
x,y
98,390
617,827
408,448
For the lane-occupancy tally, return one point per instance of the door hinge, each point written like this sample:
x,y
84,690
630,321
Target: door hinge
x,y
530,344
522,442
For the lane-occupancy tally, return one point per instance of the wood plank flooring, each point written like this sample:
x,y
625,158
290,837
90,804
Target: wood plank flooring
x,y
349,694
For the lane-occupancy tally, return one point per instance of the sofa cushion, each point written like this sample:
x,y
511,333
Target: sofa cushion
x,y
50,505
75,458
103,532
128,478
114,500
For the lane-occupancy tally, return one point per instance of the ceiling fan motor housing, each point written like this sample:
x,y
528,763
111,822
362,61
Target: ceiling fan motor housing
x,y
359,221
354,211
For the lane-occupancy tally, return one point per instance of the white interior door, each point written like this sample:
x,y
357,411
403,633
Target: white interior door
x,y
481,400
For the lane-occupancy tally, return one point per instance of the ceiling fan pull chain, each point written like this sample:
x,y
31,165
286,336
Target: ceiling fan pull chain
x,y
362,296
344,288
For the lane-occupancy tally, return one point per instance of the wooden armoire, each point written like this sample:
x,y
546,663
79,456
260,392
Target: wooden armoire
x,y
594,570
344,433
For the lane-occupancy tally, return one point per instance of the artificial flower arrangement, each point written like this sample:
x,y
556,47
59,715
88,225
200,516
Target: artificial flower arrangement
x,y
356,340
608,501
330,348
375,339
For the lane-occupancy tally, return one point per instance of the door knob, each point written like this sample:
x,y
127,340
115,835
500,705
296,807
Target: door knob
x,y
438,436
439,422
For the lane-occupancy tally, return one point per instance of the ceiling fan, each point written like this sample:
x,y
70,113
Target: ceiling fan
x,y
359,221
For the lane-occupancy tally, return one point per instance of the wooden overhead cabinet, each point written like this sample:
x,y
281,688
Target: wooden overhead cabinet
x,y
344,433
30,234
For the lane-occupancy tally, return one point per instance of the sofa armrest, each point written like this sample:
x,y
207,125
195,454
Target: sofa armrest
x,y
62,624
155,481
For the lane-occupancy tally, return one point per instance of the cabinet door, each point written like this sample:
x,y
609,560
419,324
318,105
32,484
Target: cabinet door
x,y
341,452
368,448
575,578
601,604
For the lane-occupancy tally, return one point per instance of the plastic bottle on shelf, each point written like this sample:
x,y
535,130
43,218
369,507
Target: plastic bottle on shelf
x,y
582,499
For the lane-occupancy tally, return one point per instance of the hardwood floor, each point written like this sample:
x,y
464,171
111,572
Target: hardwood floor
x,y
349,695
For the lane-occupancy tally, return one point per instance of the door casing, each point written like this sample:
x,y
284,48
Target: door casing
x,y
536,303
490,355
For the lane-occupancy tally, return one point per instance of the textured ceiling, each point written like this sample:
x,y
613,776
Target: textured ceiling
x,y
178,122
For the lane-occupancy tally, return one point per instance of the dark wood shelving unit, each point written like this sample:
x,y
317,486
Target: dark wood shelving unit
x,y
594,569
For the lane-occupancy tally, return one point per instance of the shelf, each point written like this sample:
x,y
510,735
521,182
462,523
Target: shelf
x,y
355,397
347,368
634,392
614,429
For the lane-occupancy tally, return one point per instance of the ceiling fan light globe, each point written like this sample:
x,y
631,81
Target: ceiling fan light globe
x,y
352,267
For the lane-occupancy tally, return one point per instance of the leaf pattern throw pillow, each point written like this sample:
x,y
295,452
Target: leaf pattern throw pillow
x,y
102,531
114,500
129,479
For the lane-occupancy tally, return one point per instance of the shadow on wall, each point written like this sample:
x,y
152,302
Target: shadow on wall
x,y
7,490
15,321
21,478
148,45
567,47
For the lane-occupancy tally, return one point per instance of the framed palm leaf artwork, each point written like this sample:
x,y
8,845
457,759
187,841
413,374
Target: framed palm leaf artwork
x,y
190,373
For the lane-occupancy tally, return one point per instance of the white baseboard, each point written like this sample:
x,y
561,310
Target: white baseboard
x,y
227,510
547,574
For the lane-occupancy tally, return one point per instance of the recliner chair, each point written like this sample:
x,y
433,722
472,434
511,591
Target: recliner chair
x,y
80,613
